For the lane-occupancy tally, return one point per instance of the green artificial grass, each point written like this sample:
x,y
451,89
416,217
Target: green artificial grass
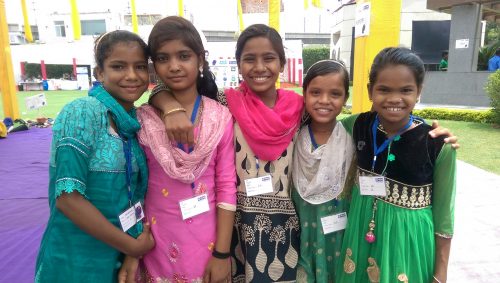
x,y
479,142
55,102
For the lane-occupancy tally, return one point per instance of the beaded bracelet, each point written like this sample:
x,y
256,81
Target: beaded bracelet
x,y
179,109
220,255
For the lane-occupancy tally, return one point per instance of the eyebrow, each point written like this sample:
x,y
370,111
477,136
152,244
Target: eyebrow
x,y
125,62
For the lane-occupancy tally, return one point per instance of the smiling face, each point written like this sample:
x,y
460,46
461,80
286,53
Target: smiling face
x,y
394,95
125,73
177,65
324,98
260,66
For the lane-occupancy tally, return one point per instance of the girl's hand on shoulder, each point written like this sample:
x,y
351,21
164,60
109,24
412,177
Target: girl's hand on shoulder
x,y
179,128
440,131
128,270
217,271
144,243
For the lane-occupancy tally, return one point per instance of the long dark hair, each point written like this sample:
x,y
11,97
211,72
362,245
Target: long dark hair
x,y
173,27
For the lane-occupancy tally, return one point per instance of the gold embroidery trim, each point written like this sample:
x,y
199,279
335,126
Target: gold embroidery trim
x,y
401,194
349,265
373,271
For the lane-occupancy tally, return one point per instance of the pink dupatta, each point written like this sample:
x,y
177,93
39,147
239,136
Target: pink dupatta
x,y
267,131
178,164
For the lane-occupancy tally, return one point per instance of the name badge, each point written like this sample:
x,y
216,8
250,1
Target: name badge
x,y
131,216
194,206
334,223
372,186
259,185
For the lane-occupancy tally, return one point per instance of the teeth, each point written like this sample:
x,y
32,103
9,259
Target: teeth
x,y
259,79
394,109
323,110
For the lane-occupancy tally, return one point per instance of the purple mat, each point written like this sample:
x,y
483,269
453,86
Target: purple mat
x,y
24,159
24,163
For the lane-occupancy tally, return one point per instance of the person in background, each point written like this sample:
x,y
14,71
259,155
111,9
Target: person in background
x,y
494,62
443,65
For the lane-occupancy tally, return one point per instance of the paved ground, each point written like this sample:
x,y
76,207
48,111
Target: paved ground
x,y
475,252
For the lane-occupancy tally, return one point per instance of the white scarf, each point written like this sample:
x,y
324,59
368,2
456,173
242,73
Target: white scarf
x,y
320,176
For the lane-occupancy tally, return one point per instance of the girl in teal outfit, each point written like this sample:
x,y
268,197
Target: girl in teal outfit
x,y
401,215
323,155
98,171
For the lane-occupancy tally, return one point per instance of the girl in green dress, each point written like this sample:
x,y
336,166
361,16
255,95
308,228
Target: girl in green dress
x,y
401,214
98,171
323,155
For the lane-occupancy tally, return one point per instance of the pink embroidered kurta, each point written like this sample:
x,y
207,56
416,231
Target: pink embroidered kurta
x,y
184,247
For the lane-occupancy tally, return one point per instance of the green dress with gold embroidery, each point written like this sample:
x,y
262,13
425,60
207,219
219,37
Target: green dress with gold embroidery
x,y
319,253
420,186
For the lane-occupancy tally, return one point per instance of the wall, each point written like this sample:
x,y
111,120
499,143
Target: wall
x,y
459,88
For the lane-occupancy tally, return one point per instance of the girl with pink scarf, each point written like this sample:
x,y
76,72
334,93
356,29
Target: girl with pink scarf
x,y
265,241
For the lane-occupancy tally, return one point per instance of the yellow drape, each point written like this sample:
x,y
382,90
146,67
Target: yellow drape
x,y
7,82
135,26
180,6
240,16
27,27
384,30
274,20
75,20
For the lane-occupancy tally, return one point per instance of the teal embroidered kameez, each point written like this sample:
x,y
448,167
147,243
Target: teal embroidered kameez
x,y
88,159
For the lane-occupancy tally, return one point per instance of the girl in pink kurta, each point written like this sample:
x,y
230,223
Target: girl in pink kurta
x,y
191,195
183,247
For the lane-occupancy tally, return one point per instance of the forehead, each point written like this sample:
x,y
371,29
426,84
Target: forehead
x,y
396,75
173,46
126,51
258,45
326,81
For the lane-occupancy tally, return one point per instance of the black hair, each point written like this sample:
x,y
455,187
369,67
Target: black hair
x,y
172,28
104,44
392,56
325,67
261,30
498,52
444,53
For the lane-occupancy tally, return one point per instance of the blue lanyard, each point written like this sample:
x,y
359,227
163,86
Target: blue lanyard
x,y
193,119
376,149
128,167
313,140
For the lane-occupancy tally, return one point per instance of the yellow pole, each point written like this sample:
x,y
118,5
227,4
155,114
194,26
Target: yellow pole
x,y
316,3
75,20
135,26
240,16
274,20
7,82
384,31
180,6
306,4
27,27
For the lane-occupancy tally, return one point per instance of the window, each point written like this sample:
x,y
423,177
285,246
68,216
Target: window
x,y
93,27
60,28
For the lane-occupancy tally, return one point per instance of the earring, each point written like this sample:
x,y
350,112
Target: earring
x,y
201,72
